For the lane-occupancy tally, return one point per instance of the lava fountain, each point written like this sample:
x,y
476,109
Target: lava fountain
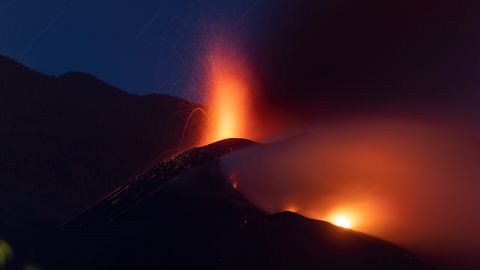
x,y
228,92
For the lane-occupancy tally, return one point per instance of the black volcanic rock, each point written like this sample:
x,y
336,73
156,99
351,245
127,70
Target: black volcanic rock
x,y
184,214
140,195
68,141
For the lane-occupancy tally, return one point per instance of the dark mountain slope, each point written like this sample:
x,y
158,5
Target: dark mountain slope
x,y
184,214
69,140
72,139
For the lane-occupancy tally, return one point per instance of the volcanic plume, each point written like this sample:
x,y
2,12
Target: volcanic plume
x,y
333,134
317,62
411,184
385,93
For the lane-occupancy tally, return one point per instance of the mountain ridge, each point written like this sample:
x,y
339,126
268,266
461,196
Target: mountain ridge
x,y
73,138
194,216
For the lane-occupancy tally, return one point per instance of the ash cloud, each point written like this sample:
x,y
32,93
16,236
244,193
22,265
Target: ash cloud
x,y
390,88
411,184
315,60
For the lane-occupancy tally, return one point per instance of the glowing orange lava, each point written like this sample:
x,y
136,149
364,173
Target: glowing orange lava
x,y
227,93
342,221
342,218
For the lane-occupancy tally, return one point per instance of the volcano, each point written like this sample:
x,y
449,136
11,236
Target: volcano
x,y
185,214
182,213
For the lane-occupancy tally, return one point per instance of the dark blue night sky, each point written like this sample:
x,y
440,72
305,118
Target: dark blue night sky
x,y
140,46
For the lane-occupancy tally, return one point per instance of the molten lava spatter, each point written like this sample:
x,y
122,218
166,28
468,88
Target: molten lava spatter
x,y
227,93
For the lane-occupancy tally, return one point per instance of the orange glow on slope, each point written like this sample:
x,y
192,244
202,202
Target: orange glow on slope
x,y
342,221
227,93
344,218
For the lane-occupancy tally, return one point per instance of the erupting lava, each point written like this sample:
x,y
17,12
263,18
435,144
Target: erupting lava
x,y
227,85
342,221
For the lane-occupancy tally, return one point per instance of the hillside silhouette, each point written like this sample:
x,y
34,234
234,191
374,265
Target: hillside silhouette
x,y
67,141
184,213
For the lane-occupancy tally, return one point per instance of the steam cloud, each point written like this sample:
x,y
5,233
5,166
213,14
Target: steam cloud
x,y
315,60
414,185
386,93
